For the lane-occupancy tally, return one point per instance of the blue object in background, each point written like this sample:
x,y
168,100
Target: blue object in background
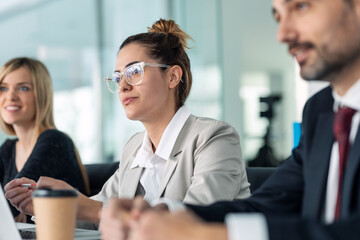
x,y
297,133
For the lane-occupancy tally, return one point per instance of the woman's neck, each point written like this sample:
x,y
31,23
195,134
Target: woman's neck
x,y
27,136
155,129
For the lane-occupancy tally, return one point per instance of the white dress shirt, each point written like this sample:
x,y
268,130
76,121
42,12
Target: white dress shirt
x,y
350,99
155,163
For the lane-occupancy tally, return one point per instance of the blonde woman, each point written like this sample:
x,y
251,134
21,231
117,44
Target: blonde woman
x,y
26,111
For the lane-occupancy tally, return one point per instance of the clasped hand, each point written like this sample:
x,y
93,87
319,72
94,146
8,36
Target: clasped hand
x,y
126,219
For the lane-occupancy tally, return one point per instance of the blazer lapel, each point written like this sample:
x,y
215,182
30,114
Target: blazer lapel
x,y
349,176
130,180
170,168
318,164
175,155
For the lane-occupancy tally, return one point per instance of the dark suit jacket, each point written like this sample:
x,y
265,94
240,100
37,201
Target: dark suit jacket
x,y
293,198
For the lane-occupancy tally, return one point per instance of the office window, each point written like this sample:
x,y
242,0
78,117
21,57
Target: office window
x,y
234,46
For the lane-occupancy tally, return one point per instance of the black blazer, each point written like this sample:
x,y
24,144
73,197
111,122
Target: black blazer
x,y
293,198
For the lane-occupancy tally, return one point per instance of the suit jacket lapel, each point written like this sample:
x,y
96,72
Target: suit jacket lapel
x,y
349,175
318,165
175,155
131,180
170,168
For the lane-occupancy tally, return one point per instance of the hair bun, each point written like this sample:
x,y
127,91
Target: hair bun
x,y
170,27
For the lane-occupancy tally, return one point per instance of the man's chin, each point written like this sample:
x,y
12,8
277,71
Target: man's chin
x,y
311,74
309,77
322,78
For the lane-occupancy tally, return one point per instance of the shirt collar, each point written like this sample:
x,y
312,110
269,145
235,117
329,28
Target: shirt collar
x,y
350,99
171,133
167,140
144,154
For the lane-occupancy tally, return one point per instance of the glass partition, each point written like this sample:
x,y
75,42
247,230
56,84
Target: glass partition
x,y
234,55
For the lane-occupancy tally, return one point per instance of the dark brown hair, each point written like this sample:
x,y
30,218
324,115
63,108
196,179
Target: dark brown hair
x,y
166,42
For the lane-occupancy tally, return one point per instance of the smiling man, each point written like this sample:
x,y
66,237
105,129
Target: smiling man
x,y
315,193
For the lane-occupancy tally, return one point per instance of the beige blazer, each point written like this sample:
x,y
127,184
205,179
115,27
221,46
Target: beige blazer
x,y
205,166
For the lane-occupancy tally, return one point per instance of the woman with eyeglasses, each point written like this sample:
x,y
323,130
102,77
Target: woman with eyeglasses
x,y
26,111
179,156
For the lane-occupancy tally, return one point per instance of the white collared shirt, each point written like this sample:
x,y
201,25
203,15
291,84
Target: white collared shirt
x,y
155,163
350,99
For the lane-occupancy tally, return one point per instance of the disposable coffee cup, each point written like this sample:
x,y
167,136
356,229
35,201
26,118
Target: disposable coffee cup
x,y
55,213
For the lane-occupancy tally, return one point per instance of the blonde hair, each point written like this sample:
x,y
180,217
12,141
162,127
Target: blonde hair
x,y
167,43
41,80
44,116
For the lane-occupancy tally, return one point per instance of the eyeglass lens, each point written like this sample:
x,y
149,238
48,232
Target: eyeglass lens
x,y
132,75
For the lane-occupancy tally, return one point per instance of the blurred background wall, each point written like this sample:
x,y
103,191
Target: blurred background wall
x,y
235,61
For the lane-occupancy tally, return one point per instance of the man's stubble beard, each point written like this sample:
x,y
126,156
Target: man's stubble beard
x,y
329,63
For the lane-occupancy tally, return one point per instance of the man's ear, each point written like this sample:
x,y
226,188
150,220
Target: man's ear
x,y
175,73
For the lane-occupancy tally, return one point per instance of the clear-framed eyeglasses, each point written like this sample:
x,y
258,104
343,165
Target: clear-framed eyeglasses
x,y
133,75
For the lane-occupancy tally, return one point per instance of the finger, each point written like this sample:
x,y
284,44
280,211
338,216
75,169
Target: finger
x,y
16,183
14,192
134,235
140,205
137,231
26,207
20,218
47,182
25,203
23,218
114,216
115,205
26,180
162,207
17,200
109,236
125,204
114,222
112,229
